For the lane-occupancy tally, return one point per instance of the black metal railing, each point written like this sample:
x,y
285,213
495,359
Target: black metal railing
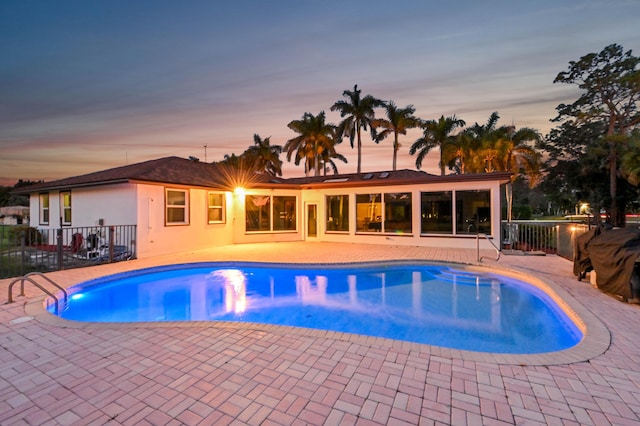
x,y
25,249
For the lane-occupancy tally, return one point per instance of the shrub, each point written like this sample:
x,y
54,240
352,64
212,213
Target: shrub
x,y
31,235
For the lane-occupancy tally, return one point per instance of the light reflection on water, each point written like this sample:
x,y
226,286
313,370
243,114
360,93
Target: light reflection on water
x,y
429,304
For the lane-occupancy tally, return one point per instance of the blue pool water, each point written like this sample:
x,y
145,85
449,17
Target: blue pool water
x,y
423,303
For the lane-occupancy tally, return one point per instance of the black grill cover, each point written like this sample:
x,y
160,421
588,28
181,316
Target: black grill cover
x,y
613,255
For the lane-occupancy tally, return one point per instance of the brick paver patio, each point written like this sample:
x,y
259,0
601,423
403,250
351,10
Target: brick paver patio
x,y
58,372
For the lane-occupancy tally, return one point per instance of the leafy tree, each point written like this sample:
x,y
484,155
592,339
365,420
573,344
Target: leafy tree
x,y
357,113
264,157
9,199
398,121
610,84
575,170
315,137
435,134
631,159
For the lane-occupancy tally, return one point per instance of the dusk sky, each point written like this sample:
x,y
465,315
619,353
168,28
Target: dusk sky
x,y
90,85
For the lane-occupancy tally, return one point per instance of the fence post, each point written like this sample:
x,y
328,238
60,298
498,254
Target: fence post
x,y
59,248
111,233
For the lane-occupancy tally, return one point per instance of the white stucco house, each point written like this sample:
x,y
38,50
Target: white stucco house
x,y
179,205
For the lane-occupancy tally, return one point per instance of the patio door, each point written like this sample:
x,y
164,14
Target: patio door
x,y
312,221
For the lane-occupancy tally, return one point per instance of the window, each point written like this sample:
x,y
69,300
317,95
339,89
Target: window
x,y
284,217
265,213
44,209
369,213
177,207
435,212
397,212
337,212
65,207
258,212
473,212
215,207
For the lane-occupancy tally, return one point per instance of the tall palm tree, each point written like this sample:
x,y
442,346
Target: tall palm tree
x,y
435,134
397,122
330,154
482,131
232,160
457,152
315,136
516,152
508,150
477,143
264,157
357,114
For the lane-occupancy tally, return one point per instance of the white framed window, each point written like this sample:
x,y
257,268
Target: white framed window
x,y
215,207
176,206
65,207
267,213
44,209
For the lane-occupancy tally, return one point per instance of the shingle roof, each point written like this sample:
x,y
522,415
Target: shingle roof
x,y
171,170
180,171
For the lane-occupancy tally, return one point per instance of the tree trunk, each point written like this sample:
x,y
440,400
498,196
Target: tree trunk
x,y
395,152
359,146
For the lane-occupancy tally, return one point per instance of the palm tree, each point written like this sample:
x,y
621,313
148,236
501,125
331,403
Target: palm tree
x,y
330,154
358,114
264,157
435,134
397,122
516,152
482,131
233,161
315,137
457,152
474,147
508,150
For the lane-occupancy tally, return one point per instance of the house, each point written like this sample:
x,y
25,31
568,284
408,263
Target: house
x,y
180,205
14,215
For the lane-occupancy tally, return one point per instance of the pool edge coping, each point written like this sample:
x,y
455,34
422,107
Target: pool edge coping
x,y
596,337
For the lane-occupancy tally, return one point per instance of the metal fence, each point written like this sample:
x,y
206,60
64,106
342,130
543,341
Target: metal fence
x,y
24,249
549,237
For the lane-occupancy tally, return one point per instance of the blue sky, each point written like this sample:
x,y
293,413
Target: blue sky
x,y
89,85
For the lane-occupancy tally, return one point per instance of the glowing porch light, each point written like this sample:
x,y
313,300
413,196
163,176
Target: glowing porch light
x,y
239,191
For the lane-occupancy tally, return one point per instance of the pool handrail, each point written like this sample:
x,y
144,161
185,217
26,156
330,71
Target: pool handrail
x,y
27,277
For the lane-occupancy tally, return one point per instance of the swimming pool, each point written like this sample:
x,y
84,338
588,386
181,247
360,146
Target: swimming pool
x,y
425,303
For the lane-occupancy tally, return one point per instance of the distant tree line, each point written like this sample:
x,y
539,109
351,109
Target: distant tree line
x,y
7,198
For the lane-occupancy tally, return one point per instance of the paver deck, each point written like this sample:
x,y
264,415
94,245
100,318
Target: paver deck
x,y
58,372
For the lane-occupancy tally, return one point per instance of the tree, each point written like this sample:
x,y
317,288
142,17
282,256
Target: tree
x,y
264,157
610,82
397,122
315,137
513,151
575,169
357,114
456,150
631,159
516,152
435,134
